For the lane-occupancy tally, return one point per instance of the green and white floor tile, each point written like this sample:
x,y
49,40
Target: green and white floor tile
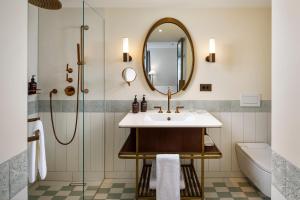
x,y
215,189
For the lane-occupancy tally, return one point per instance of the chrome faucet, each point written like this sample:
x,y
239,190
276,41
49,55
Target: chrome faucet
x,y
169,98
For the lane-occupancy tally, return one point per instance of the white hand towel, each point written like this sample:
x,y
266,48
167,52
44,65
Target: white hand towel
x,y
32,169
42,164
168,177
41,150
152,182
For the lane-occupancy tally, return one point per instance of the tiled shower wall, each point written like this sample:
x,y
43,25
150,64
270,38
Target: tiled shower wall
x,y
102,145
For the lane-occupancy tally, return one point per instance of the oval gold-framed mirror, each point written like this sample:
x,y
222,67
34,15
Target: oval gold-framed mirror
x,y
168,56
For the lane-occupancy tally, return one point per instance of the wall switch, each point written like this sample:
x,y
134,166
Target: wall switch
x,y
206,87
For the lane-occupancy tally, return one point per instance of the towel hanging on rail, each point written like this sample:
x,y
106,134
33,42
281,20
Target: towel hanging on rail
x,y
168,177
36,149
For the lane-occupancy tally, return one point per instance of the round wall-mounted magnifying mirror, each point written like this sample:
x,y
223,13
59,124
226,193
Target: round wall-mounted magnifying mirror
x,y
168,60
128,75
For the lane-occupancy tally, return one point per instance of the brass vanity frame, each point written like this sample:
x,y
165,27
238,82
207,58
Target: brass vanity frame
x,y
183,155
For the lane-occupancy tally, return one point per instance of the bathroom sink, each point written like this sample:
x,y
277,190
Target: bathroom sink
x,y
152,118
162,117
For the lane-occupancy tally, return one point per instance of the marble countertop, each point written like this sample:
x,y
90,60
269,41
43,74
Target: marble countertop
x,y
152,119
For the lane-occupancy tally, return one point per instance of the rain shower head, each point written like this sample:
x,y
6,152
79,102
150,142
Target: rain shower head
x,y
47,4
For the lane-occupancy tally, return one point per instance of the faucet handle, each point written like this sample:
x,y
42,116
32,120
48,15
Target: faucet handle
x,y
177,108
159,107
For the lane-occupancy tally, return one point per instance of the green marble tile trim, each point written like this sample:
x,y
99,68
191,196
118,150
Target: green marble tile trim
x,y
125,105
13,176
285,177
32,107
4,181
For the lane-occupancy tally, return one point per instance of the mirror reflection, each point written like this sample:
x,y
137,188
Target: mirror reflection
x,y
168,58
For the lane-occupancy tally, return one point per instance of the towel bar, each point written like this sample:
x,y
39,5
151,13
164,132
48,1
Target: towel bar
x,y
35,137
33,119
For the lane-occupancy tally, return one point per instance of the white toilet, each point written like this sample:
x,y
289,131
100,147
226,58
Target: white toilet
x,y
255,162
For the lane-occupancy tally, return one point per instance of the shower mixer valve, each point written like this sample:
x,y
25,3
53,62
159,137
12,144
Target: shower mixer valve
x,y
70,80
69,69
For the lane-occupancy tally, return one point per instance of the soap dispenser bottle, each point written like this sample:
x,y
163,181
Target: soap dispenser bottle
x,y
135,105
32,86
144,105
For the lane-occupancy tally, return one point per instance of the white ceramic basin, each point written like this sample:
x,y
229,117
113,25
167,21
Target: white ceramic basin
x,y
162,117
151,118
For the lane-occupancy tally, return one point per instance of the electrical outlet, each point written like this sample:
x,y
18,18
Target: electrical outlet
x,y
206,87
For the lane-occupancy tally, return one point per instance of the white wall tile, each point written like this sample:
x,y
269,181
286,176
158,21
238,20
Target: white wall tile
x,y
119,139
237,136
249,127
261,127
225,144
72,149
109,141
60,150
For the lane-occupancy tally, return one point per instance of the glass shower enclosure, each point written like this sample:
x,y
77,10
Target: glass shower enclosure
x,y
66,53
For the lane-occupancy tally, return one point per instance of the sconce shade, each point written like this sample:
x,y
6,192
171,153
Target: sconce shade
x,y
212,46
125,45
212,51
126,56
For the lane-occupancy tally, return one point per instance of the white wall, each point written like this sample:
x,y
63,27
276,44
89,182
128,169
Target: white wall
x,y
13,79
33,35
59,33
285,79
243,39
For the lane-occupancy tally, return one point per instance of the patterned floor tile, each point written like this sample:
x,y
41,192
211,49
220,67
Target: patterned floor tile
x,y
124,189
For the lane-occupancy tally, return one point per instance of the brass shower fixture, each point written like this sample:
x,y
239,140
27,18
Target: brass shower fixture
x,y
47,4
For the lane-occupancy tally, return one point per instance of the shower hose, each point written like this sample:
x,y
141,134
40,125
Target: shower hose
x,y
54,91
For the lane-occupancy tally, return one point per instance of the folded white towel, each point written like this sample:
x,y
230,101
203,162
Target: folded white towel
x,y
152,183
31,151
39,151
208,141
168,177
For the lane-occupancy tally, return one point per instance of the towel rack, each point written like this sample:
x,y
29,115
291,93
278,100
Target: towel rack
x,y
35,137
33,119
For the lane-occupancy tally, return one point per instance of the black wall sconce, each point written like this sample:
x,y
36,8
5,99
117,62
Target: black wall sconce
x,y
212,51
126,56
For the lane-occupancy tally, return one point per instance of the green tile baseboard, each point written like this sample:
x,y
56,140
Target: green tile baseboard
x,y
99,106
32,107
13,176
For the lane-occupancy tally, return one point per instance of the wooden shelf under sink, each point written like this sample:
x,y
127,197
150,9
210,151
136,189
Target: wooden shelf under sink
x,y
188,148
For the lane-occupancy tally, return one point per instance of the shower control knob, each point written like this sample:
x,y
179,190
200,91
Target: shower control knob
x,y
70,80
69,69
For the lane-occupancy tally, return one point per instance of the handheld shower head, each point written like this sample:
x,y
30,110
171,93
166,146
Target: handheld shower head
x,y
47,4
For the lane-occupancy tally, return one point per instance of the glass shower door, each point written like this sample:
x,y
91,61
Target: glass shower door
x,y
93,97
66,48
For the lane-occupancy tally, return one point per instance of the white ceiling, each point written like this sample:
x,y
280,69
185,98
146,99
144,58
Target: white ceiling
x,y
169,3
